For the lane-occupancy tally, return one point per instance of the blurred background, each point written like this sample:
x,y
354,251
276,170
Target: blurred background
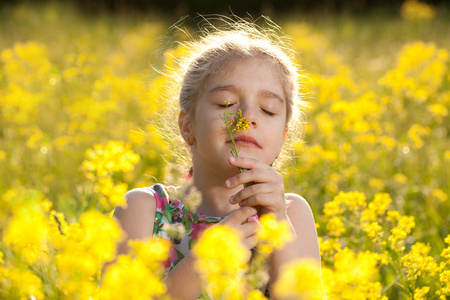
x,y
253,7
83,90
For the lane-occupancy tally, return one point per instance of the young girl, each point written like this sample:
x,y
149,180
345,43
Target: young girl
x,y
238,69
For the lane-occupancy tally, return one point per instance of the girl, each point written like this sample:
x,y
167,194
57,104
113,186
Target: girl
x,y
238,69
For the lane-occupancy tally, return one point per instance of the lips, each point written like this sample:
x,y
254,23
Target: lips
x,y
246,141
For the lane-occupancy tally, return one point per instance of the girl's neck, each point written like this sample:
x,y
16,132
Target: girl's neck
x,y
215,196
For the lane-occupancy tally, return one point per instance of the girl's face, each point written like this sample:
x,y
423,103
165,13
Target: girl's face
x,y
254,86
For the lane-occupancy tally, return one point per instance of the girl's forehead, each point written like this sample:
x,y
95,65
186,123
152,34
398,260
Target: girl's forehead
x,y
232,71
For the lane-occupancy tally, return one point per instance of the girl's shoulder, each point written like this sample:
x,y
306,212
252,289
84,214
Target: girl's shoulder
x,y
138,198
296,200
297,207
135,216
150,195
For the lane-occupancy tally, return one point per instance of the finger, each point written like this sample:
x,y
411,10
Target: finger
x,y
241,215
246,163
250,242
260,188
265,200
248,229
254,175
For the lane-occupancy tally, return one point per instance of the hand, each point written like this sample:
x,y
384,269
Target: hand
x,y
238,221
264,186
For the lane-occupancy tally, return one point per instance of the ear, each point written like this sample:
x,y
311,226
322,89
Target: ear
x,y
284,136
185,125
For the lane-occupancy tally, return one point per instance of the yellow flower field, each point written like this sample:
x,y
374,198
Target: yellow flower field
x,y
81,100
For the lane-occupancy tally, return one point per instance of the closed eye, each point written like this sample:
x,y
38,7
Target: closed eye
x,y
225,105
271,114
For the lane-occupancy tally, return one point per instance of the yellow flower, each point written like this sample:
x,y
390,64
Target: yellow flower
x,y
400,178
440,195
444,278
439,111
85,247
353,200
221,270
241,124
418,263
28,233
376,208
416,10
273,234
104,160
373,230
419,293
398,234
21,284
300,280
256,295
152,252
335,226
100,235
376,183
352,276
130,279
416,132
325,123
329,247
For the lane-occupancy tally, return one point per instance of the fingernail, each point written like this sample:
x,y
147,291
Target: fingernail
x,y
231,199
232,159
227,183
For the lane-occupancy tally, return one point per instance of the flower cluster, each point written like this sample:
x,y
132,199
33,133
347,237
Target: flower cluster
x,y
102,164
229,119
416,10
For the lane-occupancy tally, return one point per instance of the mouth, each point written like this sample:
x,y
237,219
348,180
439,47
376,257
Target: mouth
x,y
245,141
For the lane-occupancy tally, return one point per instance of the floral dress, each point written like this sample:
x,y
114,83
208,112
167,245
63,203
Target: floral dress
x,y
173,211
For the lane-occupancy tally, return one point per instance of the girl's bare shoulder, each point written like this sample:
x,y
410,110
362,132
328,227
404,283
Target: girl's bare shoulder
x,y
302,220
138,198
297,202
137,216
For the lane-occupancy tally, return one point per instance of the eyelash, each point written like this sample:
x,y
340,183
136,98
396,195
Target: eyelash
x,y
225,105
270,114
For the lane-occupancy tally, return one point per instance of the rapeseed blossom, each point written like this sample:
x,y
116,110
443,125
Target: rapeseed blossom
x,y
398,234
222,270
102,164
418,263
229,119
300,280
353,276
273,234
417,10
130,279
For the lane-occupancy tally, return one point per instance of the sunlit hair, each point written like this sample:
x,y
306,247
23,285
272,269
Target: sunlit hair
x,y
219,46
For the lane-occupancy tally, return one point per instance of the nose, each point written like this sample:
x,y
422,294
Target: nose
x,y
250,114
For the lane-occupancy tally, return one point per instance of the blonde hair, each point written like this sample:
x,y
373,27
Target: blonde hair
x,y
238,39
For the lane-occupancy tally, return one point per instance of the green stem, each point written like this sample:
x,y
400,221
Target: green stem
x,y
234,150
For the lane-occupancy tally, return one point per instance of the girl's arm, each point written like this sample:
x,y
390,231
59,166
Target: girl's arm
x,y
305,243
137,221
136,218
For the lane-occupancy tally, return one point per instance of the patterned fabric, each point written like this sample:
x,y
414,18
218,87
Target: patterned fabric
x,y
173,211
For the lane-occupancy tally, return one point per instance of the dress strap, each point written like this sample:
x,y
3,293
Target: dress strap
x,y
162,209
161,196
